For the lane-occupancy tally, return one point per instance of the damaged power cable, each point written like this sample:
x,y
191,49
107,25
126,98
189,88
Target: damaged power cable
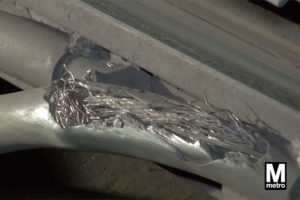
x,y
76,102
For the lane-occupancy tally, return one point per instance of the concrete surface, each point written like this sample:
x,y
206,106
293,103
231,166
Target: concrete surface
x,y
60,174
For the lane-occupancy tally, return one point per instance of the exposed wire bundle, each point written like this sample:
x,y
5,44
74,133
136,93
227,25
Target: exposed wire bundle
x,y
78,102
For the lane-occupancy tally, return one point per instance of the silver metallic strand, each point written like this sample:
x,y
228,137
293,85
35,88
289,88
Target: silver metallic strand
x,y
78,102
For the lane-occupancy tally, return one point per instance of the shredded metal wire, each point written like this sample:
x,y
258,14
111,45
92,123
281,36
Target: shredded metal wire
x,y
78,102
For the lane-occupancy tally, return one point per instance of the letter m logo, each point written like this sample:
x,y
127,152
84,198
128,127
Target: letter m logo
x,y
275,175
